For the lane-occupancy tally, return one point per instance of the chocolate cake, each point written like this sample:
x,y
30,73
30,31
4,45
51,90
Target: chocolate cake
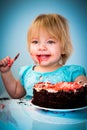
x,y
63,95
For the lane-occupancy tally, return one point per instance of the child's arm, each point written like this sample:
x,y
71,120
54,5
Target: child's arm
x,y
12,86
81,79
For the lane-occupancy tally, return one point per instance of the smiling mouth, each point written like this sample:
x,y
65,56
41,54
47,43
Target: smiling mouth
x,y
41,58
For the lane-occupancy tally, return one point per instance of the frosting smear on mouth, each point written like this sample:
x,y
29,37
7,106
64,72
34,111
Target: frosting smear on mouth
x,y
41,58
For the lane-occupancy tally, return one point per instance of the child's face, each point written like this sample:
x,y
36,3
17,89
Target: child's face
x,y
44,49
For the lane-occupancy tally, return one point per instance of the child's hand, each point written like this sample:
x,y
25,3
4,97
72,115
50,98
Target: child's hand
x,y
5,64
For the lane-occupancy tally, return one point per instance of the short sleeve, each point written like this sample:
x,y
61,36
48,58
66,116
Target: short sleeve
x,y
77,71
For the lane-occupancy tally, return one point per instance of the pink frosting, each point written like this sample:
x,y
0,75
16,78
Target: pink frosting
x,y
65,86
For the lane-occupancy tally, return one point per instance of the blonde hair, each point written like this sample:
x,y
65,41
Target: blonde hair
x,y
57,26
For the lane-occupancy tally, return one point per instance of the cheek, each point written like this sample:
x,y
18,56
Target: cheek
x,y
33,53
57,53
32,50
56,50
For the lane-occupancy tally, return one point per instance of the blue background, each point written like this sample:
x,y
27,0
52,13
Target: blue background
x,y
16,17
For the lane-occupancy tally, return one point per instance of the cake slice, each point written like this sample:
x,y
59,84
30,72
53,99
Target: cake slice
x,y
62,95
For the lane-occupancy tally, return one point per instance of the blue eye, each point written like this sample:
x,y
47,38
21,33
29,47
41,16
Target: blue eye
x,y
35,42
51,42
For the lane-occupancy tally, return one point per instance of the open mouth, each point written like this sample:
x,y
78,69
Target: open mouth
x,y
41,58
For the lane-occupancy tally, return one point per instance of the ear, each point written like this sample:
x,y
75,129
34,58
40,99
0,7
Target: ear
x,y
62,52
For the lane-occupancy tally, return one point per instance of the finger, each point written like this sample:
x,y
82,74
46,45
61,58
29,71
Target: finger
x,y
3,62
10,62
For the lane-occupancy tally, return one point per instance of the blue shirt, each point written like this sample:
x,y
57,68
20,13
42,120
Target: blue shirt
x,y
29,77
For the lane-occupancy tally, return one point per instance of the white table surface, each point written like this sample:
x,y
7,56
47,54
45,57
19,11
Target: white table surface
x,y
21,115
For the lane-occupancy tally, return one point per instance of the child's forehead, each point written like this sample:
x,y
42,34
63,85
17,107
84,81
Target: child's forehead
x,y
37,31
41,26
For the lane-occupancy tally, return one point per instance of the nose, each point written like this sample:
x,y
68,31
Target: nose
x,y
42,47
